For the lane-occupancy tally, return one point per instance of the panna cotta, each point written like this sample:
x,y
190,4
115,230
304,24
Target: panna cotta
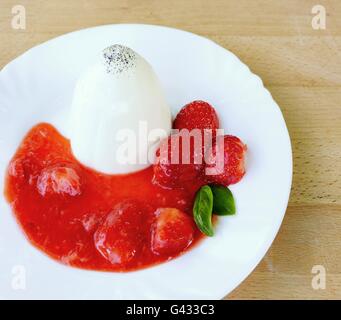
x,y
119,113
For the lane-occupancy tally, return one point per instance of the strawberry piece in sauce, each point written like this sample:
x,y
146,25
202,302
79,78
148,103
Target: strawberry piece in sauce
x,y
120,237
172,231
62,180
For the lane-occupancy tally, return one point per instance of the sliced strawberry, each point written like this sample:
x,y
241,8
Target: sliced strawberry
x,y
119,238
62,180
228,167
172,231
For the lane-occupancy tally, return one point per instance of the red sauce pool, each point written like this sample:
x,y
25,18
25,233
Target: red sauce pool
x,y
63,226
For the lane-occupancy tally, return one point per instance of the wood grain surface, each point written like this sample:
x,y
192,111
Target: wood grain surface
x,y
302,69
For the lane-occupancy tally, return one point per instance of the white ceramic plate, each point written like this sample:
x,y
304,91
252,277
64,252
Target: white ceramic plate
x,y
38,86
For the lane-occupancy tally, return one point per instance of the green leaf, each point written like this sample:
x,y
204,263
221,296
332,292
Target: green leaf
x,y
223,202
202,210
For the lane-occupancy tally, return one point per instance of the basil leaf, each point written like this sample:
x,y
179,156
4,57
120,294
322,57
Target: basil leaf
x,y
202,210
223,202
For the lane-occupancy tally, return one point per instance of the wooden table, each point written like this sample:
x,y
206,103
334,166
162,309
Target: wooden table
x,y
302,69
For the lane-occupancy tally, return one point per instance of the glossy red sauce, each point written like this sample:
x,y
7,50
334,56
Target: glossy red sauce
x,y
64,225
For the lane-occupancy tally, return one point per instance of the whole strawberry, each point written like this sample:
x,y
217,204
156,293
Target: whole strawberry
x,y
171,169
228,167
192,119
196,115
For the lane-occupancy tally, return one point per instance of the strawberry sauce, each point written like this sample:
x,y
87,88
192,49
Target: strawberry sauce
x,y
90,220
